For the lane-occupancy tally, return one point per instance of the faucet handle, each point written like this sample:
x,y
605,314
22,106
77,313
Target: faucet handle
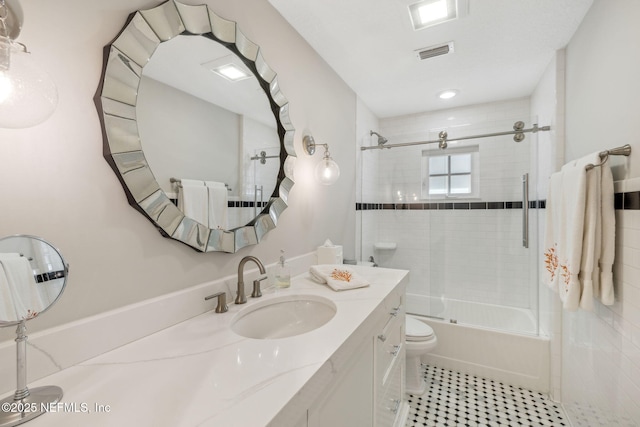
x,y
256,287
222,306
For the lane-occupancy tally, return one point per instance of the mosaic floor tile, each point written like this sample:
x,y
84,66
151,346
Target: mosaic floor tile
x,y
587,416
461,400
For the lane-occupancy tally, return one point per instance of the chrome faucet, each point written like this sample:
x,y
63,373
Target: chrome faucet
x,y
241,298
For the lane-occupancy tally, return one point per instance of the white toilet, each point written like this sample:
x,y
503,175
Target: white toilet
x,y
420,339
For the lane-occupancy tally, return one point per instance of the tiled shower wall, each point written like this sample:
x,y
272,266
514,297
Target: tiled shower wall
x,y
461,248
601,349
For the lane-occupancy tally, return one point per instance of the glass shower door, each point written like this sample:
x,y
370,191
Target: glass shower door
x,y
482,255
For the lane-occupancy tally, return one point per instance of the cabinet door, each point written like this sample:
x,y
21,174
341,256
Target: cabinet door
x,y
349,402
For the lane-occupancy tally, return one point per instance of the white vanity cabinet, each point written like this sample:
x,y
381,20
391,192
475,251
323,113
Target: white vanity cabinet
x,y
389,359
368,388
347,373
348,401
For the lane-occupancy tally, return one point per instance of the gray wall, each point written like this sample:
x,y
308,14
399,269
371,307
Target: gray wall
x,y
603,65
58,186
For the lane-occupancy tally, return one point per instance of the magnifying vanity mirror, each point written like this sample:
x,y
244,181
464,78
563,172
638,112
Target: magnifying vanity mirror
x,y
33,276
173,120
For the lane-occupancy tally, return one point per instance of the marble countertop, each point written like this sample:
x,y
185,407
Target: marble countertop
x,y
200,373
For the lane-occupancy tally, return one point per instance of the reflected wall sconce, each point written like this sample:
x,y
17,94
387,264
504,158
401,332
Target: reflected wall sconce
x,y
327,170
27,94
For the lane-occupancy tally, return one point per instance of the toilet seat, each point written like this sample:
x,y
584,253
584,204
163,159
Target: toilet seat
x,y
417,330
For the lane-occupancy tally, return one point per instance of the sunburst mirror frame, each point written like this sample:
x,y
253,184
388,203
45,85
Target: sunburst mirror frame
x,y
116,101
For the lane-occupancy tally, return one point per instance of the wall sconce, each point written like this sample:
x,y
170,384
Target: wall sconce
x,y
27,94
326,171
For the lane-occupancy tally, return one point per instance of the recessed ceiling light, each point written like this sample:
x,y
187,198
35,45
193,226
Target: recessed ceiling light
x,y
447,94
431,12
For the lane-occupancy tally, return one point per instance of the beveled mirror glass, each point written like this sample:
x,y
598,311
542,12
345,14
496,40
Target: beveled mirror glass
x,y
33,275
139,132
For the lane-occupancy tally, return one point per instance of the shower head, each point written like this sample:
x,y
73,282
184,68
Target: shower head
x,y
381,139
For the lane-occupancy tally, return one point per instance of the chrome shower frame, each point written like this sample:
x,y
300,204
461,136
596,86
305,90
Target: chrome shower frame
x,y
517,132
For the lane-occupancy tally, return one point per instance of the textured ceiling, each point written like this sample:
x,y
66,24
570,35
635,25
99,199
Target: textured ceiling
x,y
502,48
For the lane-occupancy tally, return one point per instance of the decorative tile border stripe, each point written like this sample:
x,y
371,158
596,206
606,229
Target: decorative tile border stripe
x,y
622,201
534,204
245,204
627,201
235,203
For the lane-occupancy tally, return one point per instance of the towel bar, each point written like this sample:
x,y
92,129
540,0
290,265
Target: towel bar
x,y
625,150
179,182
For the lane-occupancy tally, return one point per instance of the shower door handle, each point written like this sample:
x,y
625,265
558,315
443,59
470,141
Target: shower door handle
x,y
525,210
255,199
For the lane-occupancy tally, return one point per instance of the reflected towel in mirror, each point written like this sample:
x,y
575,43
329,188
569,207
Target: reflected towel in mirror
x,y
7,310
22,286
193,200
217,204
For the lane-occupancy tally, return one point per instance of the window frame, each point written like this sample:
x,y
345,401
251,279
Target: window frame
x,y
474,172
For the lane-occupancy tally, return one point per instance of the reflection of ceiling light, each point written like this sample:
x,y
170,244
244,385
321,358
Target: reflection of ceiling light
x,y
431,12
231,72
229,67
447,94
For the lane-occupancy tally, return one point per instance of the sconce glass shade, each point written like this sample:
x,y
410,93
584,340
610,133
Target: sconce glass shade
x,y
327,171
27,94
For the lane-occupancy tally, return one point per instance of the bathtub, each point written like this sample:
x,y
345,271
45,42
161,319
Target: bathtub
x,y
490,341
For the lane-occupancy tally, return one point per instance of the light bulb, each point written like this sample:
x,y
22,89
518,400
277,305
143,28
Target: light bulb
x,y
27,94
327,171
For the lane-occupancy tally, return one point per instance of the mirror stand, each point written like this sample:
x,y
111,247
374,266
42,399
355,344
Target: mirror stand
x,y
26,404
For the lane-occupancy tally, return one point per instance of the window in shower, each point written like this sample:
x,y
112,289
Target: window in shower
x,y
453,172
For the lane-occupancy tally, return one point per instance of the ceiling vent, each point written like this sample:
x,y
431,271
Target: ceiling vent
x,y
433,51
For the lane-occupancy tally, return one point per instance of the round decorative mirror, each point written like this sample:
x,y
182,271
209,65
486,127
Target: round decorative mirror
x,y
33,275
200,153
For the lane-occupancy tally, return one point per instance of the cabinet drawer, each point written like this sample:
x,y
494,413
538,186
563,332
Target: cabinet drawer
x,y
394,305
389,348
390,403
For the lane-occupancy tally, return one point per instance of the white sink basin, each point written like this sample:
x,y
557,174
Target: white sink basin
x,y
284,316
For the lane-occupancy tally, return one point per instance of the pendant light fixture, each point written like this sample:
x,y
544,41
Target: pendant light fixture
x,y
27,94
327,170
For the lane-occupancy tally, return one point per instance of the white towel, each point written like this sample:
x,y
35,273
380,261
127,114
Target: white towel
x,y
337,277
565,211
193,200
608,232
580,235
218,203
598,251
591,237
27,299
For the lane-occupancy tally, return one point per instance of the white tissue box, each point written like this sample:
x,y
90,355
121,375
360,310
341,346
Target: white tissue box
x,y
329,254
